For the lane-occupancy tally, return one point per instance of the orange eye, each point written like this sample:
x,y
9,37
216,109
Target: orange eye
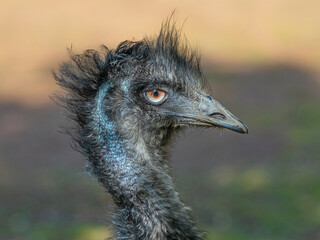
x,y
156,96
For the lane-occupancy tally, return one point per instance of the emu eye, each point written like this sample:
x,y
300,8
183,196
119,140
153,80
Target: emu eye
x,y
156,96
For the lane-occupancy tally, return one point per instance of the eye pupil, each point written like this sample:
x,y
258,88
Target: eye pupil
x,y
155,93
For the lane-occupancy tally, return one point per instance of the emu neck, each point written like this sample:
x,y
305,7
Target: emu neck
x,y
134,171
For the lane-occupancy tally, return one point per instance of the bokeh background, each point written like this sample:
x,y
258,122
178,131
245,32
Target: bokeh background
x,y
261,58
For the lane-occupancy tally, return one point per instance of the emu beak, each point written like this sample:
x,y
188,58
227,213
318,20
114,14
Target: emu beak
x,y
208,113
214,114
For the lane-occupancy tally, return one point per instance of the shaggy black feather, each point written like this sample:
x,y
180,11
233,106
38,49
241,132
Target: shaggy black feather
x,y
124,138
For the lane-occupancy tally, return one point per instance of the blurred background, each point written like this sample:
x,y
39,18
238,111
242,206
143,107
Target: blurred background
x,y
261,58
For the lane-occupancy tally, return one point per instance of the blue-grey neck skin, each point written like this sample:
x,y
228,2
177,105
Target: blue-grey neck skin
x,y
134,171
114,151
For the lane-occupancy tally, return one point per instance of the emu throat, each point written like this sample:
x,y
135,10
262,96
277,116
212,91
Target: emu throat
x,y
133,168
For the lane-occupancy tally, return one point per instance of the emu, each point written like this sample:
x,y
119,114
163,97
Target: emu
x,y
128,103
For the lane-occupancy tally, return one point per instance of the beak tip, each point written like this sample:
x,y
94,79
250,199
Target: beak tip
x,y
244,128
246,131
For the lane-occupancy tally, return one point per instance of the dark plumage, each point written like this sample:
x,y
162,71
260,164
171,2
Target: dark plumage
x,y
123,129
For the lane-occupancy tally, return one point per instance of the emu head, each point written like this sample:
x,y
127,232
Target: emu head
x,y
142,87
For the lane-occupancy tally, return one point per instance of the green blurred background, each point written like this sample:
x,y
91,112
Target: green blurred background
x,y
261,58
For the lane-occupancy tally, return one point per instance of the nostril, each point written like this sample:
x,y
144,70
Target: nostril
x,y
217,115
209,97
